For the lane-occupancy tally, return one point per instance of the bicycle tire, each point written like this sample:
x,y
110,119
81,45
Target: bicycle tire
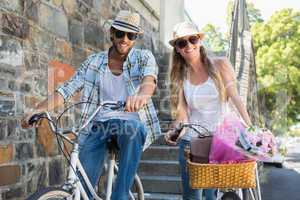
x,y
137,187
50,193
231,195
246,194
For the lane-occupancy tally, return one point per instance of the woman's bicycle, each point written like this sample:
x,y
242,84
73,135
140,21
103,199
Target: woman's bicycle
x,y
238,181
77,185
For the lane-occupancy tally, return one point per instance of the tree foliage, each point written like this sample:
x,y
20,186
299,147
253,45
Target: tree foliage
x,y
214,39
254,14
277,50
217,41
277,47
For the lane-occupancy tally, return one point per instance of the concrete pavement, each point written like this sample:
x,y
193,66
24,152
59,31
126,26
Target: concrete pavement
x,y
284,183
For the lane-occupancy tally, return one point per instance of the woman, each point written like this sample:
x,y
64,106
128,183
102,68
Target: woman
x,y
200,89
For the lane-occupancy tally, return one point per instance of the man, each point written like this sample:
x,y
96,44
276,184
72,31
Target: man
x,y
119,73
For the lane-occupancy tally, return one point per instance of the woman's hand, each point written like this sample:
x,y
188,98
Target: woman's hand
x,y
173,136
168,136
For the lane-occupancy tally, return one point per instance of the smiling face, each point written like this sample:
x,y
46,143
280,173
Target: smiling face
x,y
188,47
122,41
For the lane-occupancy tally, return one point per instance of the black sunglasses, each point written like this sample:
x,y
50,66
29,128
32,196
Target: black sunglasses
x,y
181,43
120,34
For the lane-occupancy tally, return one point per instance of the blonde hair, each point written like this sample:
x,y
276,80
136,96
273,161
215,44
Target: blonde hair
x,y
178,74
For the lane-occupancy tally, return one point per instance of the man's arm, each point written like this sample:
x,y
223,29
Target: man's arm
x,y
62,93
50,103
146,90
148,85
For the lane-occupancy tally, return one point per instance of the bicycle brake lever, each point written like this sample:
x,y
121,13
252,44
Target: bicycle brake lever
x,y
35,118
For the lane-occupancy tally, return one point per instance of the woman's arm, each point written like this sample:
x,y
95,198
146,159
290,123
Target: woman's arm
x,y
229,80
181,116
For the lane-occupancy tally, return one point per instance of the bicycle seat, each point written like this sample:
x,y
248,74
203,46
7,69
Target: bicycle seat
x,y
112,144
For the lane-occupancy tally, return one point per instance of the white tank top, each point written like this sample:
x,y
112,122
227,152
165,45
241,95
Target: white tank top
x,y
204,105
114,89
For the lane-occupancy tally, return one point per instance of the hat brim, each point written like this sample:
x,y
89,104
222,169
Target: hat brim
x,y
126,29
172,42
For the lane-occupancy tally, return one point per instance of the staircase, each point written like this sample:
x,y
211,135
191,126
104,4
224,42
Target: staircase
x,y
159,167
159,172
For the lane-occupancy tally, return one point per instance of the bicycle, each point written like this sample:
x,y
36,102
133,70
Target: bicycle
x,y
228,193
78,185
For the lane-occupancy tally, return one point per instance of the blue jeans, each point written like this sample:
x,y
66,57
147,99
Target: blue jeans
x,y
130,135
188,192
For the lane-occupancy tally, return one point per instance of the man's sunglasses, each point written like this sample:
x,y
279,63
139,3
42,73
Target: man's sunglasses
x,y
120,34
181,43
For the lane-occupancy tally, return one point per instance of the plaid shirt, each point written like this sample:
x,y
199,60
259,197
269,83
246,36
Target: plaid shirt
x,y
89,76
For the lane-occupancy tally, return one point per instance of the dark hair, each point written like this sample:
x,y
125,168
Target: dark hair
x,y
111,30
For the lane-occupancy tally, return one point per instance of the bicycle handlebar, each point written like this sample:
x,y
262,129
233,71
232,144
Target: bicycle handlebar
x,y
112,105
194,126
35,118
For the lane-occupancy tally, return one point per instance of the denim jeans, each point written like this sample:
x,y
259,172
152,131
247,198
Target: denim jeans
x,y
130,135
188,192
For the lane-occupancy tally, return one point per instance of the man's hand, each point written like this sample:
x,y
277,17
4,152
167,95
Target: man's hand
x,y
134,103
27,116
145,91
50,103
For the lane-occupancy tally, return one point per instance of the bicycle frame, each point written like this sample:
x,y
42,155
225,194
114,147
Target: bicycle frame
x,y
76,166
73,181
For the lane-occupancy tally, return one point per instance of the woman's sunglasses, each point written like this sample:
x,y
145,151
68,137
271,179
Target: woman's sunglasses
x,y
181,43
120,34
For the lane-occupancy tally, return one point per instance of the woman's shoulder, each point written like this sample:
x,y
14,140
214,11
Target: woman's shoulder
x,y
219,61
222,64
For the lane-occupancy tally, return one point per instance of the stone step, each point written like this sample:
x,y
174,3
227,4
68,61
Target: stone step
x,y
162,184
162,196
165,126
163,152
159,168
160,141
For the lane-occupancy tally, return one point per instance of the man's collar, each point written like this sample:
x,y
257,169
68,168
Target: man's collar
x,y
106,55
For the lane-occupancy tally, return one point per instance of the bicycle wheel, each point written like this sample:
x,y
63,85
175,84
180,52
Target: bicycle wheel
x,y
246,194
50,194
137,190
231,195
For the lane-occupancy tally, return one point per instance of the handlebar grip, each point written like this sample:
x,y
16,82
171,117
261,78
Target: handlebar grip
x,y
35,118
179,126
121,104
175,134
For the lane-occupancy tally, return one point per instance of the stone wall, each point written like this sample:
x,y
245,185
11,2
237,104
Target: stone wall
x,y
42,42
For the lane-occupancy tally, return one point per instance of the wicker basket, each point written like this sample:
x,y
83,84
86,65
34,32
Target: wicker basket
x,y
237,175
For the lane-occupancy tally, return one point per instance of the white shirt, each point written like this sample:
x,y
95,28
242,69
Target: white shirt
x,y
204,105
114,89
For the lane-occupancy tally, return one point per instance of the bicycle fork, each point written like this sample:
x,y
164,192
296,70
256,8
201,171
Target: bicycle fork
x,y
110,177
73,182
